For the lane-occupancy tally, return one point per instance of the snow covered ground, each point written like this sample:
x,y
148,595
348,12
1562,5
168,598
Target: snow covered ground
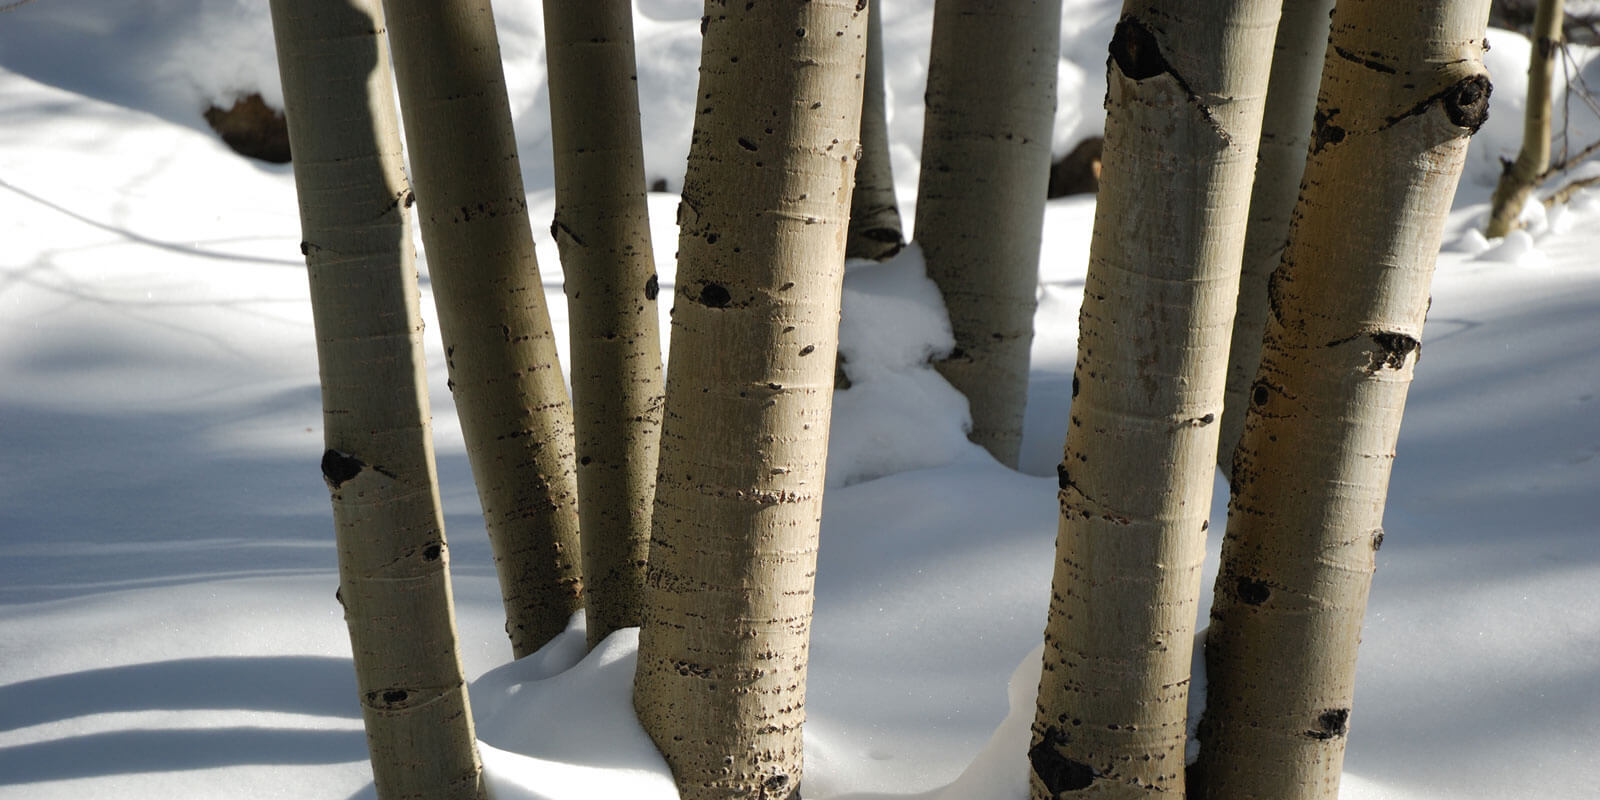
x,y
167,622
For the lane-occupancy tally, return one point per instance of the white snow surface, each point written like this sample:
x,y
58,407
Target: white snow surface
x,y
167,621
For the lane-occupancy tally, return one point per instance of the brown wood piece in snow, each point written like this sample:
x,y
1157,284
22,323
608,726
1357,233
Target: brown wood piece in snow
x,y
1078,172
252,129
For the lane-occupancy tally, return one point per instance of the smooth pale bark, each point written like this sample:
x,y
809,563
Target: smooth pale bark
x,y
394,582
980,196
498,343
1402,91
1520,176
1280,160
1186,87
602,227
875,230
720,684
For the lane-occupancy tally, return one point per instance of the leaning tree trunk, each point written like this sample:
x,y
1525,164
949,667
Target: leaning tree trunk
x,y
1186,87
875,230
498,344
720,684
602,226
981,196
1402,90
1520,176
393,578
1280,160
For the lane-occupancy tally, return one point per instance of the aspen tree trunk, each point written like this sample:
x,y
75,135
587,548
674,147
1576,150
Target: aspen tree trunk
x,y
1186,87
603,229
394,582
981,196
875,230
1280,160
1520,176
498,344
1403,88
720,684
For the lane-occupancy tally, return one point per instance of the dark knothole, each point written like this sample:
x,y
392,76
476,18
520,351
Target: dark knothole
x,y
1467,103
1396,347
337,467
1253,592
652,287
1332,723
1260,394
715,295
1136,51
1057,772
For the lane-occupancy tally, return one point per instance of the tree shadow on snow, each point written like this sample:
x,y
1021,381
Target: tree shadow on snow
x,y
138,751
289,684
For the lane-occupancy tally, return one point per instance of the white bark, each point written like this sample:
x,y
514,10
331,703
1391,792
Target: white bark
x,y
499,347
980,196
1186,88
603,229
720,685
1280,161
1403,89
394,581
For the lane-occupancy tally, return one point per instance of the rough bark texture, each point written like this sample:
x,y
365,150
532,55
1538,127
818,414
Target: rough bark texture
x,y
875,230
1402,90
720,685
1520,176
981,195
1280,160
603,229
498,343
1186,87
393,578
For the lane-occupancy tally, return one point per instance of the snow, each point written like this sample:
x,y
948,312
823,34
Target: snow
x,y
167,621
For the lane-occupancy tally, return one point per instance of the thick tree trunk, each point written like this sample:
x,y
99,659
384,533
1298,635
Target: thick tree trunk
x,y
981,196
603,229
1402,90
720,685
1285,135
1520,176
393,578
875,230
1186,88
498,343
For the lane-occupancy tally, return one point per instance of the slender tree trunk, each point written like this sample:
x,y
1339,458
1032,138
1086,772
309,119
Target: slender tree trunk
x,y
498,343
393,578
603,229
720,685
1285,134
981,196
1520,176
1402,90
875,230
1186,88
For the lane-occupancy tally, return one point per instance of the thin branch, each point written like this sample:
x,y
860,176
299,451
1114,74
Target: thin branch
x,y
1565,193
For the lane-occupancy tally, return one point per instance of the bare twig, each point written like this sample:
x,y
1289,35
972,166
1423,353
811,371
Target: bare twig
x,y
1565,193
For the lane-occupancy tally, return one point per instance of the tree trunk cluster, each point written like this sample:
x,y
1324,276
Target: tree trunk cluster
x,y
1273,329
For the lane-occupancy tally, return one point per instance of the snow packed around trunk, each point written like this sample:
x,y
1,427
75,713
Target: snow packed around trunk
x,y
168,627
